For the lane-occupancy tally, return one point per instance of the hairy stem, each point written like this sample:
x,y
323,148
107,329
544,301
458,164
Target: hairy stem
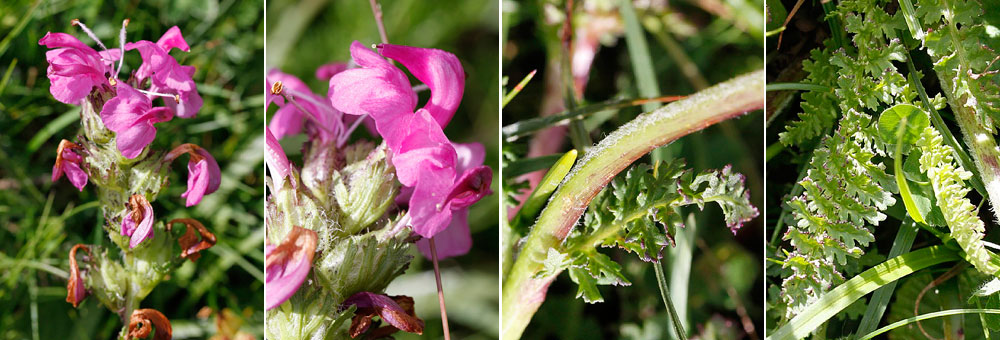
x,y
523,293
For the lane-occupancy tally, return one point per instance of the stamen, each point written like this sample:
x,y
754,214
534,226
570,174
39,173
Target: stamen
x,y
76,22
121,46
151,93
347,133
112,81
276,88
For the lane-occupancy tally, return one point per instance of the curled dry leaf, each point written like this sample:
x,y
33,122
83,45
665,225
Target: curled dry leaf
x,y
395,310
189,242
143,321
75,291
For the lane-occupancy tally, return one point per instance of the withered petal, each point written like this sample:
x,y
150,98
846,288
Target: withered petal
x,y
142,322
189,242
75,291
399,316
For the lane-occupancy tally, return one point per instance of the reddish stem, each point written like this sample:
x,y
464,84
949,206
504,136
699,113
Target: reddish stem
x,y
437,277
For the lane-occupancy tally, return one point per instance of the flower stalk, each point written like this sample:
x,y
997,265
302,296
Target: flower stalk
x,y
523,291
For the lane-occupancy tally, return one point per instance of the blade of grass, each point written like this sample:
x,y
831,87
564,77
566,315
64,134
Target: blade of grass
x,y
523,128
6,76
834,301
53,127
638,51
927,316
880,299
680,267
517,89
797,87
25,18
523,166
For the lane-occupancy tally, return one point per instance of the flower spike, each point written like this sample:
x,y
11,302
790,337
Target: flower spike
x,y
190,245
75,290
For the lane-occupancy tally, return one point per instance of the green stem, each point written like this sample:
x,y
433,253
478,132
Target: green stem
x,y
523,293
665,294
880,299
844,295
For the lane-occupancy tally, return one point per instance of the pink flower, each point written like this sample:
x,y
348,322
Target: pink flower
x,y
131,116
68,162
138,221
287,265
204,175
454,239
166,74
277,162
74,69
446,219
423,156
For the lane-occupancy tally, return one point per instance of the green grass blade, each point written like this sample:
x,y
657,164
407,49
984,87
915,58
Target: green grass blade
x,y
517,89
523,166
523,128
25,18
797,87
844,295
880,299
53,127
927,316
638,51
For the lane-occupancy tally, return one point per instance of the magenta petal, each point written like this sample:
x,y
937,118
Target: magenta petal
x,y
56,40
388,310
75,174
286,121
440,70
469,155
287,265
378,89
131,117
124,110
378,92
173,38
141,230
74,68
428,212
68,162
131,142
327,71
204,178
471,187
452,241
276,160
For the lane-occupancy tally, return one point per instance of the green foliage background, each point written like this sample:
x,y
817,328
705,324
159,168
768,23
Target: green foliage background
x,y
41,220
302,35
